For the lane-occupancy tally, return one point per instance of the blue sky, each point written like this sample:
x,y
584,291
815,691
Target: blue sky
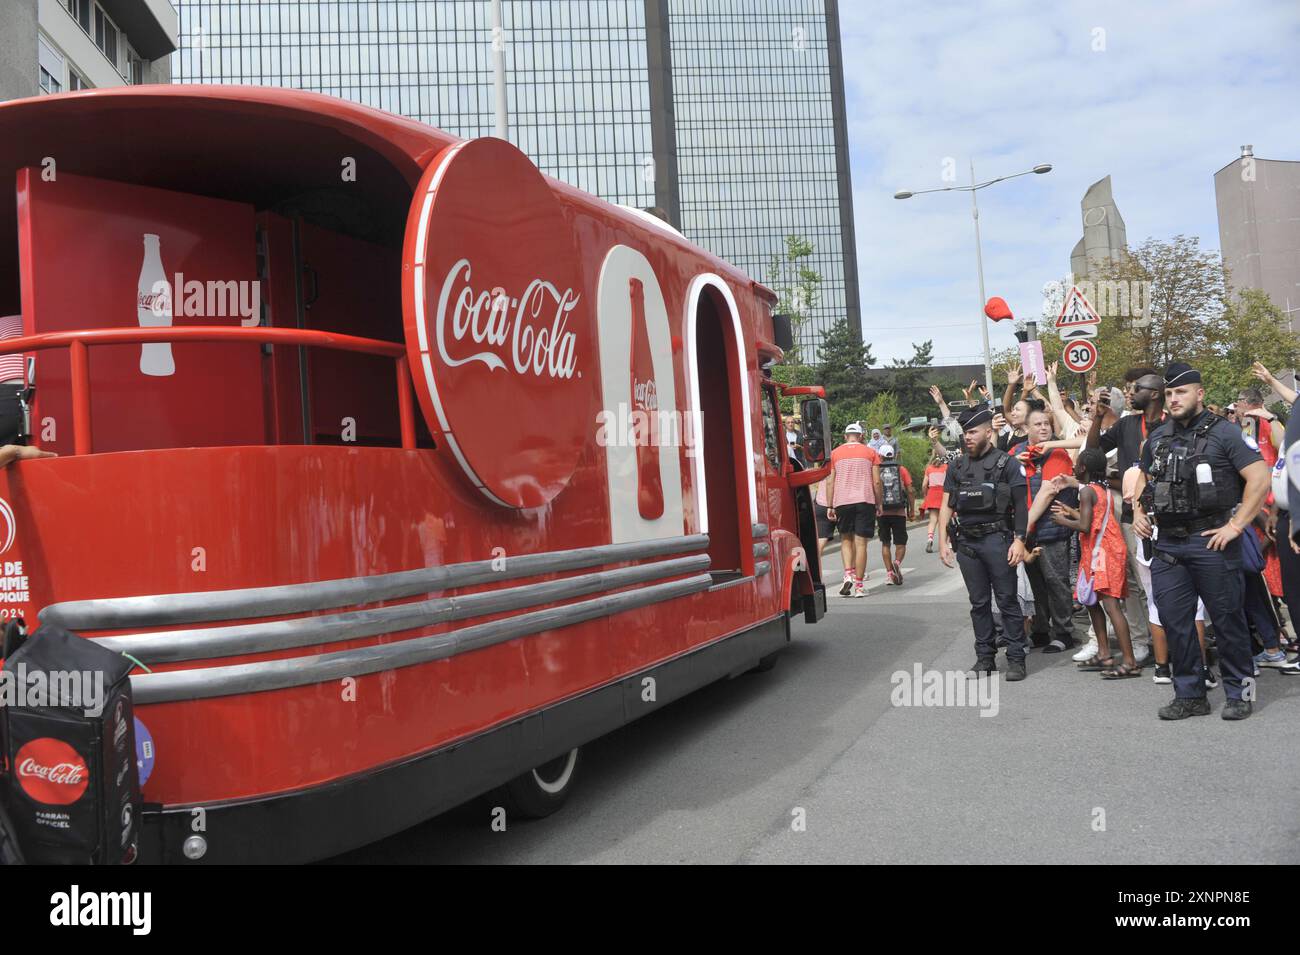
x,y
1177,87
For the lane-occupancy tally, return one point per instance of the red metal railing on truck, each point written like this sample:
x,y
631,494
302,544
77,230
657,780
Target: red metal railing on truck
x,y
78,344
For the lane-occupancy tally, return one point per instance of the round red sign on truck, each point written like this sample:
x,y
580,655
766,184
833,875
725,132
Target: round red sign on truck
x,y
1080,356
499,332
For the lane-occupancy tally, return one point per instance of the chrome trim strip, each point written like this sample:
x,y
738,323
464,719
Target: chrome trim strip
x,y
175,646
303,671
121,613
762,549
759,530
732,583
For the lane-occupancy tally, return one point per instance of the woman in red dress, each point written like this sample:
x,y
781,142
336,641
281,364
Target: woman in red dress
x,y
935,472
1096,519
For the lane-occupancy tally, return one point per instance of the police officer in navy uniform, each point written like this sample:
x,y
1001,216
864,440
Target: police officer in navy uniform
x,y
1196,470
985,490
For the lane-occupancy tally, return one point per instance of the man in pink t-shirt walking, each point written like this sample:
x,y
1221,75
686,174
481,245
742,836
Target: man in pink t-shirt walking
x,y
852,489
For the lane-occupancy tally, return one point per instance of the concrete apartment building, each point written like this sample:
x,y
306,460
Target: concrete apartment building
x,y
54,46
1259,227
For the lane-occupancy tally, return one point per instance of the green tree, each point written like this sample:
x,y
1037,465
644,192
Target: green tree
x,y
794,375
797,287
908,381
1181,291
1252,329
842,362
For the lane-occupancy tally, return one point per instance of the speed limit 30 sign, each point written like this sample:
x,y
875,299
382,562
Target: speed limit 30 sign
x,y
1080,355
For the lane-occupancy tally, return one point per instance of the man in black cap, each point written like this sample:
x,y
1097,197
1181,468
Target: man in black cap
x,y
985,488
1195,470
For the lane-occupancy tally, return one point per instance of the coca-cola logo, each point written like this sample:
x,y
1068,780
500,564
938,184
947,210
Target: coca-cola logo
x,y
645,395
158,301
51,772
499,329
515,327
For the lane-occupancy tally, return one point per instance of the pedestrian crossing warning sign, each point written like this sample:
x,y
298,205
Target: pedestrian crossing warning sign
x,y
1078,319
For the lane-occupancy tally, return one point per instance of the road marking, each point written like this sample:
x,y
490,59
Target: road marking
x,y
950,583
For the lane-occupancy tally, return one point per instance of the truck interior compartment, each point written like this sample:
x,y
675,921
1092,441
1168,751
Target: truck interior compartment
x,y
299,215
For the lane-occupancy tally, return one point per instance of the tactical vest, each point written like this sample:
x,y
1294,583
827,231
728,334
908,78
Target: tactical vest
x,y
1185,484
983,494
891,485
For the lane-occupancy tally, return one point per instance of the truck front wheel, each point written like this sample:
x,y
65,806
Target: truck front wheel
x,y
541,791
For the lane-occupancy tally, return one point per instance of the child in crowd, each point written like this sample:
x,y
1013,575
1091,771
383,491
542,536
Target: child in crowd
x,y
1102,557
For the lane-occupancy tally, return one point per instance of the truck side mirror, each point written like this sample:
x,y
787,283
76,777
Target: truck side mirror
x,y
783,332
815,433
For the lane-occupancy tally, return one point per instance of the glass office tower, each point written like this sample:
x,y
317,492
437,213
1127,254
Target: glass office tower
x,y
726,114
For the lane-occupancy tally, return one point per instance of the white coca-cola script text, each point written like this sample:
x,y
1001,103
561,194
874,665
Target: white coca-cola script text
x,y
67,774
516,328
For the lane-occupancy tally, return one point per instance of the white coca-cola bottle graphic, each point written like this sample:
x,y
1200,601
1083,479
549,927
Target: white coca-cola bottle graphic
x,y
154,310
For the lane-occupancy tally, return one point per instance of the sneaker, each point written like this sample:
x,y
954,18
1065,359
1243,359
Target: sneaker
x,y
1274,661
846,588
1180,709
983,665
1142,654
896,575
1162,674
1237,709
1292,667
1059,646
929,546
1211,679
1015,671
1088,652
859,590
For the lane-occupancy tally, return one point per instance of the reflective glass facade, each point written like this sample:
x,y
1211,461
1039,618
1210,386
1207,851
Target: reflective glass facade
x,y
756,138
723,112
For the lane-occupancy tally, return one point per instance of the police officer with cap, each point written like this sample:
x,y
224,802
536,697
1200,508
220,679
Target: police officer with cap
x,y
985,489
1196,470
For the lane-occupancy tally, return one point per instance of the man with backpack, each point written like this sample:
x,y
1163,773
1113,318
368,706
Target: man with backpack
x,y
895,512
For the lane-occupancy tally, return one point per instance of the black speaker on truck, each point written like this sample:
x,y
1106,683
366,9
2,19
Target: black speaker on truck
x,y
68,774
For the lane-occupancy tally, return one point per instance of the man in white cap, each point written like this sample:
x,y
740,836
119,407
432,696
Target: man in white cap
x,y
895,503
851,495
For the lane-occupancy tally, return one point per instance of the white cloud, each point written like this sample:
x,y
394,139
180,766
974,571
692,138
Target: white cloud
x,y
1177,89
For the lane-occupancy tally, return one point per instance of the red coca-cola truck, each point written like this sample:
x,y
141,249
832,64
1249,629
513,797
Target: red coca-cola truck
x,y
401,469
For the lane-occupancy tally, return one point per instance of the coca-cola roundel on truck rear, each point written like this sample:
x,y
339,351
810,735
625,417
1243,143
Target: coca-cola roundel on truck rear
x,y
499,329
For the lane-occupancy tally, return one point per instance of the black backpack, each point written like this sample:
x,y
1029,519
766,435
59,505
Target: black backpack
x,y
891,484
70,781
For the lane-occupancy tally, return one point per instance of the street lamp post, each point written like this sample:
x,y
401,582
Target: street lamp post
x,y
979,252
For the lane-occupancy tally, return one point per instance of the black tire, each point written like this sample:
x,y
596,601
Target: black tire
x,y
540,792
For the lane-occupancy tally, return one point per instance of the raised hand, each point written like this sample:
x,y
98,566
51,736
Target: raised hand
x,y
1070,514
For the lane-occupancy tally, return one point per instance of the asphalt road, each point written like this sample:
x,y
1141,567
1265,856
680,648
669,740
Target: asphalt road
x,y
812,762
